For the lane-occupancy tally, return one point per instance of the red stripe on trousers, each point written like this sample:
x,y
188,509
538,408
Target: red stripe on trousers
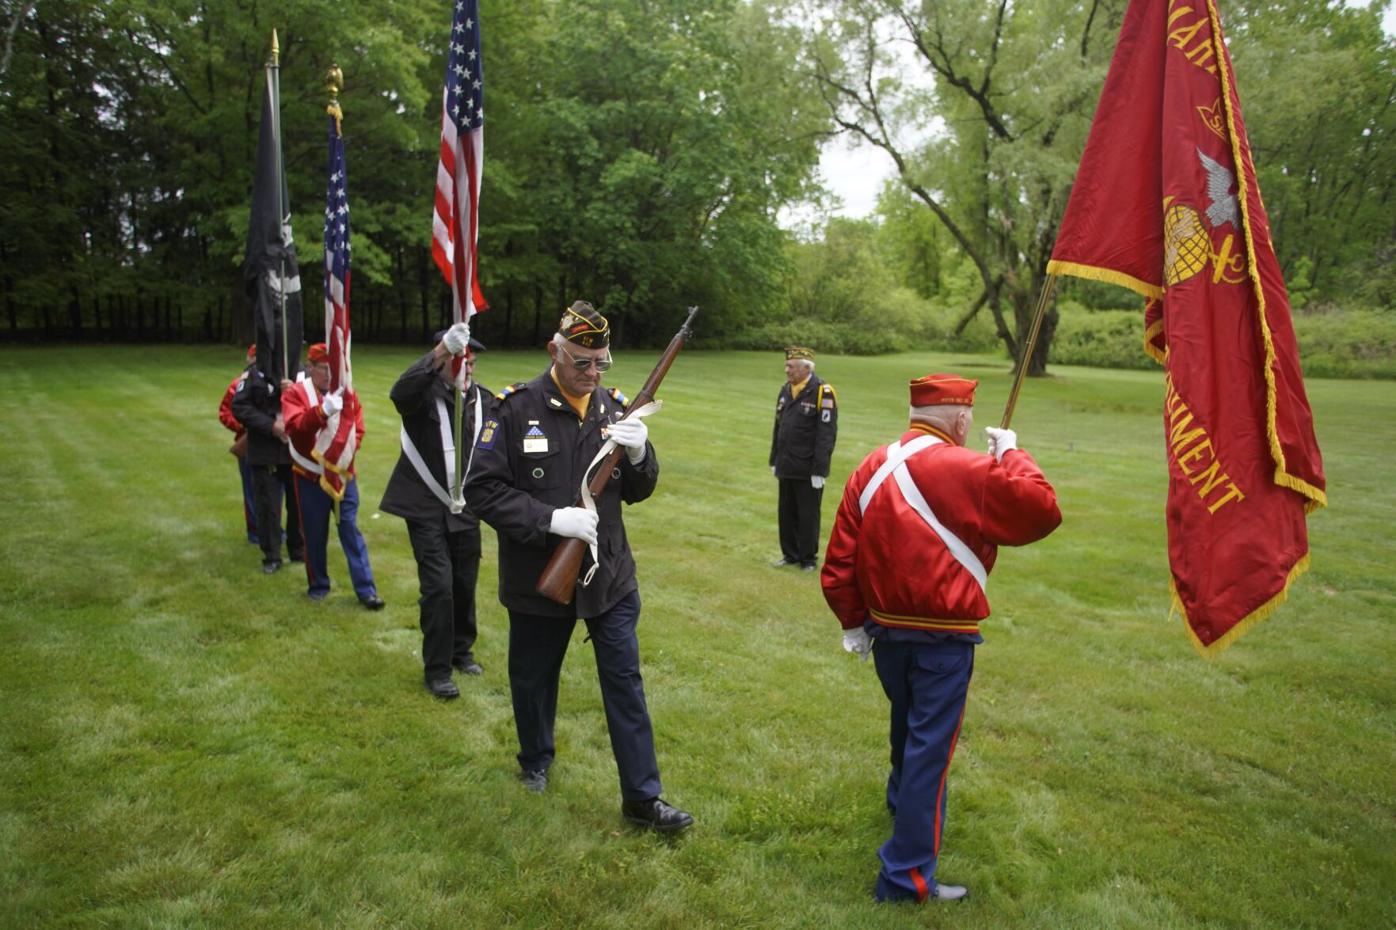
x,y
922,892
940,792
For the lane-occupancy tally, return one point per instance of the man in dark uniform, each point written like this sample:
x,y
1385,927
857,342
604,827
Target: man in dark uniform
x,y
257,405
529,466
802,442
445,536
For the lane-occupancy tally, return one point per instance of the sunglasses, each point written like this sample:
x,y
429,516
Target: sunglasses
x,y
582,364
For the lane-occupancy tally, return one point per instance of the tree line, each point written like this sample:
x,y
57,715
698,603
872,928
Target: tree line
x,y
640,154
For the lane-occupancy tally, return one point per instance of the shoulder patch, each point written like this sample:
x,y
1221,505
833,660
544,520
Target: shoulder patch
x,y
487,434
511,389
619,397
828,395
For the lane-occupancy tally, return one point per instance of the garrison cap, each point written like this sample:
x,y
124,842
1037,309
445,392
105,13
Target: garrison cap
x,y
931,390
799,352
318,352
582,325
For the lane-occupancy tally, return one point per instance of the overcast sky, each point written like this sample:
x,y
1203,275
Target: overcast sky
x,y
855,174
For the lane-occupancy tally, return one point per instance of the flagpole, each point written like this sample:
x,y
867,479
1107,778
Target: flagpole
x,y
458,492
334,83
274,81
1043,299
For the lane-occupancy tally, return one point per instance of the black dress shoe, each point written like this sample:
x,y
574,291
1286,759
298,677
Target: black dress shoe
x,y
271,566
317,596
782,563
469,667
656,815
535,780
443,688
298,555
373,602
807,566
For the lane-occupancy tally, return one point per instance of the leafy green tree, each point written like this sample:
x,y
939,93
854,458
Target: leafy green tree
x,y
1330,188
1013,88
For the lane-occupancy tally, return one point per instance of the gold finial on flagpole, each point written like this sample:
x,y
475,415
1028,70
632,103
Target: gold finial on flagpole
x,y
334,83
275,51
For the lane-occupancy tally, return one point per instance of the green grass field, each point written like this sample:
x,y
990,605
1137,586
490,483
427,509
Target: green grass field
x,y
185,742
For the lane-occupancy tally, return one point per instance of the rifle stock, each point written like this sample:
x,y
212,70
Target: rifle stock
x,y
558,580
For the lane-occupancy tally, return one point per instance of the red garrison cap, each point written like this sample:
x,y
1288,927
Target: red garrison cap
x,y
252,351
318,352
930,390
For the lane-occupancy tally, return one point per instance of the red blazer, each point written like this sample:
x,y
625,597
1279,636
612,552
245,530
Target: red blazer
x,y
225,409
888,564
304,421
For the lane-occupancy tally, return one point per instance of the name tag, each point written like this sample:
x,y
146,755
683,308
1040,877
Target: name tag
x,y
535,444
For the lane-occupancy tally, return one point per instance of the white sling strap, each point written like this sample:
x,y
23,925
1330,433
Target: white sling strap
x,y
310,465
895,467
587,501
448,449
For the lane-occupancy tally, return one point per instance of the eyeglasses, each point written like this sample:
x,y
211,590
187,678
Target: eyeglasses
x,y
582,364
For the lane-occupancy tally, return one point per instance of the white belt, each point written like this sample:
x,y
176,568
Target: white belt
x,y
448,449
895,467
587,500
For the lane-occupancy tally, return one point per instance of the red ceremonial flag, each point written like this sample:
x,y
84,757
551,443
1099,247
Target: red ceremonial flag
x,y
454,219
1159,206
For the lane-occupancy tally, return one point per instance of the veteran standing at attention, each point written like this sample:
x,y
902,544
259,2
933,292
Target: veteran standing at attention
x,y
916,535
802,442
445,536
529,464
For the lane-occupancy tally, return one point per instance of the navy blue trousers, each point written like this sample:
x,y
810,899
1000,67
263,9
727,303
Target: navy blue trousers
x,y
797,511
270,484
448,565
315,507
927,684
249,502
537,646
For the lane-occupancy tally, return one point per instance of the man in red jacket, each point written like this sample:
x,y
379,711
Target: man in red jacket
x,y
914,540
325,430
239,446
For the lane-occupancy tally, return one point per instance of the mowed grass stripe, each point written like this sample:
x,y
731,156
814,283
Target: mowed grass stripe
x,y
189,743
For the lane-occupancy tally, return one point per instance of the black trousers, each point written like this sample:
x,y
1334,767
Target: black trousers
x,y
448,564
270,485
537,646
798,510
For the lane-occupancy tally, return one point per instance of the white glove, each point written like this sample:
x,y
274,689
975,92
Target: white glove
x,y
858,642
631,434
816,481
576,522
332,403
773,469
456,338
1000,441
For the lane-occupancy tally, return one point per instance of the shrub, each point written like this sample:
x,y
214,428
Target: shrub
x,y
1347,344
1099,338
1333,343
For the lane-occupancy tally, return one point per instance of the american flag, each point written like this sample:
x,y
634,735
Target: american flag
x,y
337,252
337,442
453,226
